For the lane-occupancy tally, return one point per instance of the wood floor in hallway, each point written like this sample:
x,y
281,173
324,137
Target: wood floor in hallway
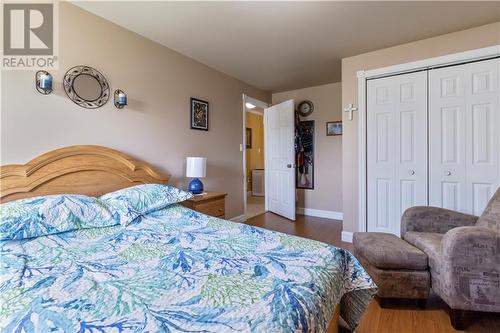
x,y
402,317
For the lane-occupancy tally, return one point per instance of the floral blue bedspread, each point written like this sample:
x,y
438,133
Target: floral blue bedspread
x,y
175,270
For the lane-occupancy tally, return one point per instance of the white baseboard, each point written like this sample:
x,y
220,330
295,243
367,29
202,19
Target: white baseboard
x,y
327,214
346,236
240,218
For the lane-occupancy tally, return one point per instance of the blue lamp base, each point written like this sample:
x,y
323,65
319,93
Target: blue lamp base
x,y
195,186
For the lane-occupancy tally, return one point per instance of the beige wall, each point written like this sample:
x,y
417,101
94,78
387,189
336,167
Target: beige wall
x,y
327,193
254,155
153,127
450,43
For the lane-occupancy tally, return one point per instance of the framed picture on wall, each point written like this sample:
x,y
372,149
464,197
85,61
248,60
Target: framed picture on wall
x,y
248,137
305,155
334,128
199,114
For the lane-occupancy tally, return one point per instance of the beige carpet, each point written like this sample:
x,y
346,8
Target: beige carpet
x,y
255,206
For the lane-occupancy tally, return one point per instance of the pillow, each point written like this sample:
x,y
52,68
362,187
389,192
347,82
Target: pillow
x,y
52,214
129,203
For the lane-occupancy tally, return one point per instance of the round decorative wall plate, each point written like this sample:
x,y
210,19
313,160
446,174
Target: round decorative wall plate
x,y
305,108
86,87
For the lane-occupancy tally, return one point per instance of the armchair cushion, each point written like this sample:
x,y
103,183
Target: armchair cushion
x,y
388,251
433,219
491,215
428,242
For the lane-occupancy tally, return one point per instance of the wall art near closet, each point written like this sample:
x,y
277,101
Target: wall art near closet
x,y
304,154
333,128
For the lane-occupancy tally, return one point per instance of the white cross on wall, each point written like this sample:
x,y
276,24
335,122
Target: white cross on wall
x,y
349,109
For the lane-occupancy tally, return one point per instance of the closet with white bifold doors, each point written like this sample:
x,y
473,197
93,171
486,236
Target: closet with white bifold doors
x,y
432,138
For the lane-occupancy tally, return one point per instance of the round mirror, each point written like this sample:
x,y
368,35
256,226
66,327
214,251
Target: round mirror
x,y
86,86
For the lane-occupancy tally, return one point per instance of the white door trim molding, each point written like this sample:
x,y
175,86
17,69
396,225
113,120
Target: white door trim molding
x,y
363,76
362,151
243,149
255,102
446,60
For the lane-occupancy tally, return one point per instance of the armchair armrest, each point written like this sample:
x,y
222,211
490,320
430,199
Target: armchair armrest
x,y
469,268
470,241
433,219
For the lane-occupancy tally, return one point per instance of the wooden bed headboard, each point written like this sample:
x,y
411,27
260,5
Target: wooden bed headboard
x,y
89,170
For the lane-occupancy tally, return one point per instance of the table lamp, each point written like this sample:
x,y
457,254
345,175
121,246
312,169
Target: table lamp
x,y
196,167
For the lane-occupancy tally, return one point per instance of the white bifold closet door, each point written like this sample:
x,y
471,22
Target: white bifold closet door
x,y
464,127
396,148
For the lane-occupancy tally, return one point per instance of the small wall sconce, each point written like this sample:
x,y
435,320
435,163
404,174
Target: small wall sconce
x,y
43,82
120,98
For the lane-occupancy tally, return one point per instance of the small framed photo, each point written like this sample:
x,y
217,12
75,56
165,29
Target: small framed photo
x,y
334,128
248,137
199,114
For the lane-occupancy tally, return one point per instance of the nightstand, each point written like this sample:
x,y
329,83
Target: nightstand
x,y
211,203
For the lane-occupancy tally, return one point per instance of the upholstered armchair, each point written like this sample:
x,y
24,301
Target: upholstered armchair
x,y
463,253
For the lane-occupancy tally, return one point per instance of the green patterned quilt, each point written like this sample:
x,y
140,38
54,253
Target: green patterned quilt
x,y
175,270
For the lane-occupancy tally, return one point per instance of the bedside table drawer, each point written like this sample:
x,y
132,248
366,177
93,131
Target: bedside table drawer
x,y
214,208
210,203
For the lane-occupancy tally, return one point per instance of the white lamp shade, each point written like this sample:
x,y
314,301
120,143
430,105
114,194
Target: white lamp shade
x,y
196,167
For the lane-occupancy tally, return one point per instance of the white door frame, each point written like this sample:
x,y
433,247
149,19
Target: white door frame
x,y
363,76
263,105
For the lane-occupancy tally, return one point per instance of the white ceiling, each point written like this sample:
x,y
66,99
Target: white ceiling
x,y
278,46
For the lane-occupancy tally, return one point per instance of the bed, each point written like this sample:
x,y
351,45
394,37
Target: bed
x,y
170,270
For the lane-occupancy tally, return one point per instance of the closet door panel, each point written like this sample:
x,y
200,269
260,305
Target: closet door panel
x,y
447,139
381,154
464,125
411,143
483,164
450,195
483,150
396,149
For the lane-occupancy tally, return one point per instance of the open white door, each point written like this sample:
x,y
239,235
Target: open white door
x,y
279,136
